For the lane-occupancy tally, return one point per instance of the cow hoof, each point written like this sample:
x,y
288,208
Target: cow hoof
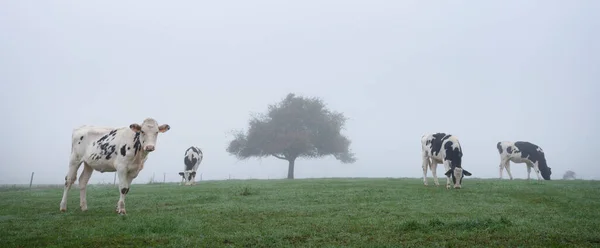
x,y
63,210
121,212
83,209
447,186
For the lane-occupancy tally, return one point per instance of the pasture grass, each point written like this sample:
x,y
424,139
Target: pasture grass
x,y
310,213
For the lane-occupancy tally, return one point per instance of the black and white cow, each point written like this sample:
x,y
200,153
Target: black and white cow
x,y
441,148
122,150
193,157
523,152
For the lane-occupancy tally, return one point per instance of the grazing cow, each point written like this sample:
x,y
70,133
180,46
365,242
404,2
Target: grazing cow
x,y
193,157
441,148
523,152
122,150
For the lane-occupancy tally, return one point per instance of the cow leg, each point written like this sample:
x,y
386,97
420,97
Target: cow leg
x,y
425,165
529,165
124,184
537,170
194,179
433,167
74,164
502,163
84,178
447,167
507,166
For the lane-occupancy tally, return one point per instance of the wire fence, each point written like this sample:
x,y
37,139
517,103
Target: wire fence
x,y
161,179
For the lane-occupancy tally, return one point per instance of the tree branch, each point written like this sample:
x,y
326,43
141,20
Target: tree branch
x,y
279,157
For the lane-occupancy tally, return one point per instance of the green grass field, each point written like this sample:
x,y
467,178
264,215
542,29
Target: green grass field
x,y
310,213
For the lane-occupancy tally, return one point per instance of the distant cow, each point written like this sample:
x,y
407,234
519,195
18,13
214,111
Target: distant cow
x,y
122,150
441,148
193,157
523,152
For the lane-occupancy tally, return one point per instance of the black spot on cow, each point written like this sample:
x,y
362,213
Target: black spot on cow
x,y
110,150
129,147
124,190
137,145
107,149
535,154
436,143
509,150
453,154
499,147
81,138
94,143
78,143
189,163
95,156
123,151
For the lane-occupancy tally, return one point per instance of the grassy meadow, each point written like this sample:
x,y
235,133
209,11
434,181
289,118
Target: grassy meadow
x,y
309,213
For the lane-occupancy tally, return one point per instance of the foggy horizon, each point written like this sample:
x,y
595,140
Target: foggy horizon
x,y
482,71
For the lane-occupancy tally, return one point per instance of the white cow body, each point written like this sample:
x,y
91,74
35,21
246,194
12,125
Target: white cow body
x,y
193,158
121,150
441,148
523,152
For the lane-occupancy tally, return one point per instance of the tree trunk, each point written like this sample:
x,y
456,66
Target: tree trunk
x,y
291,169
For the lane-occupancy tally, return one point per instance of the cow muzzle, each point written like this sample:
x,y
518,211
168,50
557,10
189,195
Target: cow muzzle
x,y
149,148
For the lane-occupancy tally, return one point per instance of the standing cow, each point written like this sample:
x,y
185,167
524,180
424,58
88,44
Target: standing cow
x,y
105,149
441,148
523,152
193,157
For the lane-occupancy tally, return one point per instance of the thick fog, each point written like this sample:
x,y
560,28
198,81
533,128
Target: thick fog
x,y
485,71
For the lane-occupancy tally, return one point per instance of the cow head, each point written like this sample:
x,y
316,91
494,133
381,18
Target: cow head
x,y
148,133
187,176
546,173
457,174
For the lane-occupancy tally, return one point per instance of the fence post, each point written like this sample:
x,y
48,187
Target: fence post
x,y
164,177
200,176
31,180
229,176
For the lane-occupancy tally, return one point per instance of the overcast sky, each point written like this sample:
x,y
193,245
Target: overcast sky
x,y
484,71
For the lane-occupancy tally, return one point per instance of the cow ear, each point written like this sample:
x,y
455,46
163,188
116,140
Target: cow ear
x,y
181,173
466,173
448,173
135,127
164,127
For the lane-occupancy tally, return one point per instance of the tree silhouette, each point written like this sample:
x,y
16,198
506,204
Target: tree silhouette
x,y
569,175
296,127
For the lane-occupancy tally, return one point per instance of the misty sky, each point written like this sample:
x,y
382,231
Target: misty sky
x,y
484,71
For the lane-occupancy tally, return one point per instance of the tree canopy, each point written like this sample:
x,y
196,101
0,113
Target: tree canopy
x,y
296,127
